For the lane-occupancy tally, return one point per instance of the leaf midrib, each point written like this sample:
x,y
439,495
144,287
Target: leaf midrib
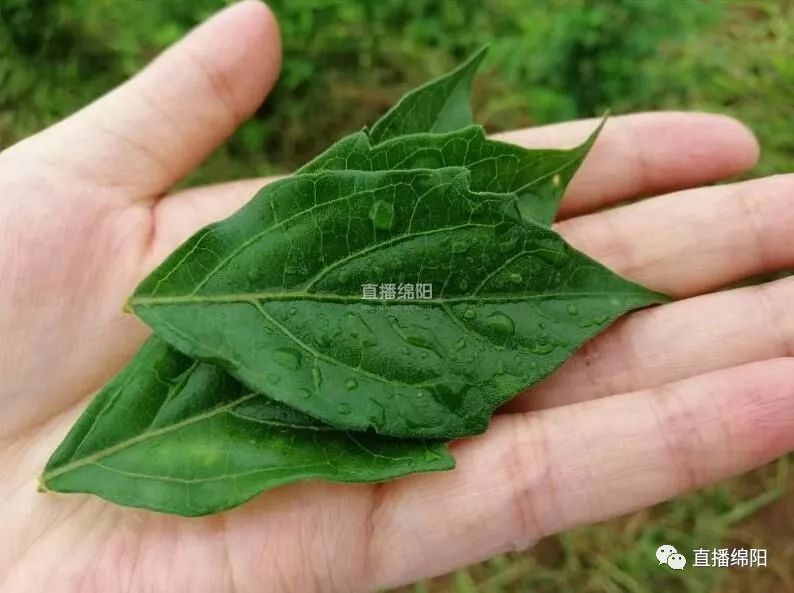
x,y
146,435
280,223
261,297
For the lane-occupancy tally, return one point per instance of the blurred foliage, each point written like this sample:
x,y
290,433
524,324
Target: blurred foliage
x,y
619,556
346,61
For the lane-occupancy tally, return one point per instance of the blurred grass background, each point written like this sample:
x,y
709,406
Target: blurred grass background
x,y
346,61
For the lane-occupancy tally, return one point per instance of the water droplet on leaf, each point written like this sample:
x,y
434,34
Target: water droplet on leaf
x,y
424,338
317,376
377,413
288,358
508,243
382,215
500,323
431,455
553,257
460,246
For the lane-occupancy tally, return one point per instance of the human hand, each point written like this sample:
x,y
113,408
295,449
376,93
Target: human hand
x,y
669,399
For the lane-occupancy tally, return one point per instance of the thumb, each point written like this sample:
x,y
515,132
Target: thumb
x,y
148,133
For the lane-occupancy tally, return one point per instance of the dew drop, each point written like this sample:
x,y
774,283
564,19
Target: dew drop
x,y
460,246
288,358
460,344
343,408
470,314
377,413
410,422
543,348
509,240
500,323
573,310
317,377
432,456
553,257
451,395
351,384
464,284
382,215
304,393
424,338
273,378
515,278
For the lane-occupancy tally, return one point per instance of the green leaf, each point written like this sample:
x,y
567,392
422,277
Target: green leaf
x,y
274,295
174,435
538,177
441,105
266,355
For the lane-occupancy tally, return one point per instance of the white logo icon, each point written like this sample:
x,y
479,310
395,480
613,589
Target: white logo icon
x,y
676,561
668,555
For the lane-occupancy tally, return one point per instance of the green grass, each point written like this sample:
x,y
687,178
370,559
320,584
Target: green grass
x,y
550,60
619,556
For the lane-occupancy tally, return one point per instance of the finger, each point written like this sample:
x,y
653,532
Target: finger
x,y
540,473
179,215
685,152
697,240
644,154
144,136
665,344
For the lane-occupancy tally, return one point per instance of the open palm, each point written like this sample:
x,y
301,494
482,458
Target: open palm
x,y
668,400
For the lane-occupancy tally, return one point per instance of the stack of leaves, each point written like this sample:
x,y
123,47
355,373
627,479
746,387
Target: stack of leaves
x,y
268,365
